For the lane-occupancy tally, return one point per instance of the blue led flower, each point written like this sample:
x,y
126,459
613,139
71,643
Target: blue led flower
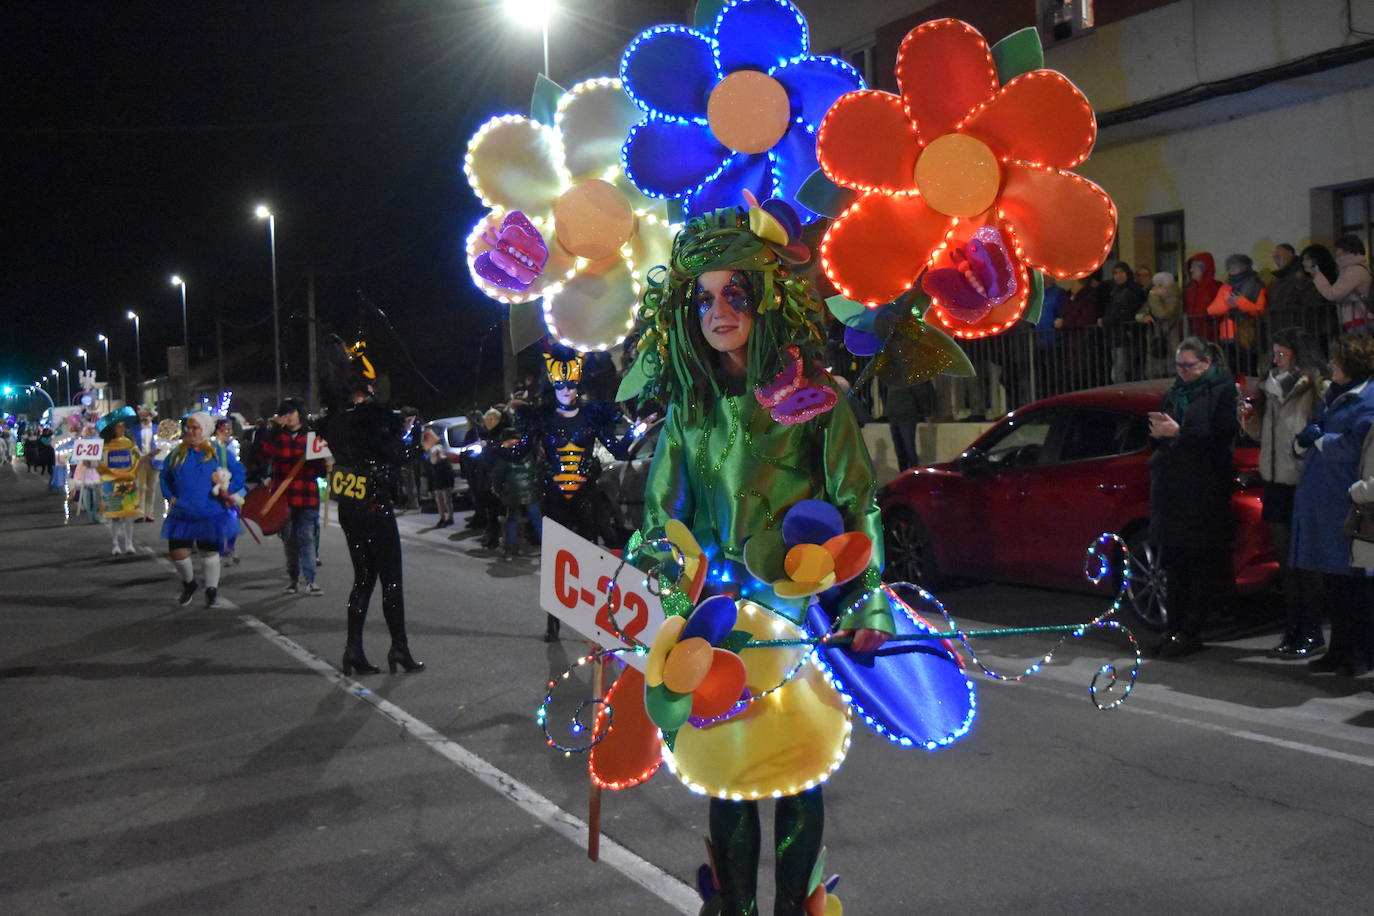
x,y
731,109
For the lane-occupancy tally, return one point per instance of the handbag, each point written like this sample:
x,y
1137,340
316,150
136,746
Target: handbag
x,y
264,509
1359,521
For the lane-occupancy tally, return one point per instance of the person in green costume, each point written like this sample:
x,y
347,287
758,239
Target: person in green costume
x,y
730,315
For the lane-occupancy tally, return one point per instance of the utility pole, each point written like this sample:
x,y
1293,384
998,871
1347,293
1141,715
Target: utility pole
x,y
219,352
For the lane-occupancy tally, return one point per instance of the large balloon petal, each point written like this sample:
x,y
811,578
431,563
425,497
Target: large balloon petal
x,y
814,83
595,309
594,118
512,163
945,70
867,142
712,620
720,690
630,753
759,34
670,70
875,251
1040,117
743,173
670,158
1060,223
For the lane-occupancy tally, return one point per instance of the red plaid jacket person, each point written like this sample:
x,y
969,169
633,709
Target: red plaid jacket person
x,y
282,452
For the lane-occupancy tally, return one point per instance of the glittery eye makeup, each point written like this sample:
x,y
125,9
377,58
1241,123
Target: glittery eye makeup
x,y
734,293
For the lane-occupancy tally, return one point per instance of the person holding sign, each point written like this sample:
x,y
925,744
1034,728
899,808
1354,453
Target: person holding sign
x,y
196,518
120,499
755,426
365,439
285,453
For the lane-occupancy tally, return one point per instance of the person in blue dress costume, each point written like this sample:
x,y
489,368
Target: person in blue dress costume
x,y
196,518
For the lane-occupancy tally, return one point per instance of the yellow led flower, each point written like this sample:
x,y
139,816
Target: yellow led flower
x,y
601,234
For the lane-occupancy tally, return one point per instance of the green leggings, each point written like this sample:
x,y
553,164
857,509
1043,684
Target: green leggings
x,y
798,822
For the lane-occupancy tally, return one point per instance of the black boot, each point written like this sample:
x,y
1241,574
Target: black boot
x,y
400,655
355,662
551,629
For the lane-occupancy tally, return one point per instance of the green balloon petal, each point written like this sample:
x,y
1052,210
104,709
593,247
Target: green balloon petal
x,y
544,99
526,324
634,382
1020,52
817,873
821,194
667,709
1036,303
764,554
960,362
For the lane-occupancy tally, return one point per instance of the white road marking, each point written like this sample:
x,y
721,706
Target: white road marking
x,y
675,893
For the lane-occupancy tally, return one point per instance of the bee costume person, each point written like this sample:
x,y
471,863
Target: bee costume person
x,y
365,438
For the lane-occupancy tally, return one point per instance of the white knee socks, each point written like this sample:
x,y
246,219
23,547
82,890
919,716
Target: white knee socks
x,y
211,562
185,569
127,526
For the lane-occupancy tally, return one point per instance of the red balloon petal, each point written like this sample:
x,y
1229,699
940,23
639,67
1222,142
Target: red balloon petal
x,y
722,686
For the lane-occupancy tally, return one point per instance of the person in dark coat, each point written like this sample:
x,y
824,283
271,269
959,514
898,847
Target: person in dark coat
x,y
1331,446
1191,481
1125,298
1078,320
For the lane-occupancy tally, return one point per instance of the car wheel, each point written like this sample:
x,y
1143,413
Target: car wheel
x,y
1147,593
907,545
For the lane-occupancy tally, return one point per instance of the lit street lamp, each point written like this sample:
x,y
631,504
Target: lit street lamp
x,y
531,13
82,353
138,347
264,212
106,341
67,371
185,337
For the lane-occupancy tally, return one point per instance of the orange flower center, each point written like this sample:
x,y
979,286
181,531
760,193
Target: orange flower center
x,y
749,111
958,175
593,219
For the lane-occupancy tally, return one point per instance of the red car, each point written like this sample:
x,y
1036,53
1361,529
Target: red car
x,y
1029,495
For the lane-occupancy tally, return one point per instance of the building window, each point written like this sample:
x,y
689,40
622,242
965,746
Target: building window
x,y
1354,212
1061,20
1169,243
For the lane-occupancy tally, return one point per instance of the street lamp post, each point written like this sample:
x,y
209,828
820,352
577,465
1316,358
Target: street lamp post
x,y
67,371
264,212
106,341
138,347
185,337
81,352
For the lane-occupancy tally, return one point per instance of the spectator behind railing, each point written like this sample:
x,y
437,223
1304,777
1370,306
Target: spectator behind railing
x,y
1124,302
1236,306
1163,314
1198,292
1316,313
1350,291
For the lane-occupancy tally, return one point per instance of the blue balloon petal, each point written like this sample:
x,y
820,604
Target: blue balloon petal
x,y
671,158
670,71
861,343
712,620
814,83
912,693
793,160
811,521
759,35
727,188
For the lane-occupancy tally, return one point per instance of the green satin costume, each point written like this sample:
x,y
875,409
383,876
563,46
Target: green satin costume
x,y
735,472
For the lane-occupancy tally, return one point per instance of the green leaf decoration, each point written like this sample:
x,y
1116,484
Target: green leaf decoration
x,y
821,194
526,324
676,603
915,351
959,365
1036,303
544,99
817,873
707,11
735,641
670,739
1020,52
634,382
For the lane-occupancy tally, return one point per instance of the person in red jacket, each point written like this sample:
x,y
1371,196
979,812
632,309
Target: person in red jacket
x,y
1200,288
283,449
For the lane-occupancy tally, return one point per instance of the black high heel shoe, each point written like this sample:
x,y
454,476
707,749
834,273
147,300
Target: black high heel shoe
x,y
355,662
400,655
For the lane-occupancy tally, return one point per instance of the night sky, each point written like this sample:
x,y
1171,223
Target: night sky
x,y
138,136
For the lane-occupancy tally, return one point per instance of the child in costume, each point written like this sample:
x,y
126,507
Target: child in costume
x,y
754,426
119,489
197,517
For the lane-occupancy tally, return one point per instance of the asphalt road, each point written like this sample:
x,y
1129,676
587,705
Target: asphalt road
x,y
165,760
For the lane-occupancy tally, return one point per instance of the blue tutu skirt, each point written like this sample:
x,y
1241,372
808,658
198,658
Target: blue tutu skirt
x,y
214,528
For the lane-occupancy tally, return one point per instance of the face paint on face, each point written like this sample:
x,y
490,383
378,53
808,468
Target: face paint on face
x,y
725,311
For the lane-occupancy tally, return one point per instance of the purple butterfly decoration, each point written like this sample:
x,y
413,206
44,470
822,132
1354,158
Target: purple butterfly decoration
x,y
517,255
983,276
791,398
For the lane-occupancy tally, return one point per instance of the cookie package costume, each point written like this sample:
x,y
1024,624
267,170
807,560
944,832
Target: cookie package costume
x,y
365,438
119,488
935,214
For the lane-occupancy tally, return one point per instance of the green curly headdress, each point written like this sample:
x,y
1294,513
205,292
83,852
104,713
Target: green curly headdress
x,y
674,361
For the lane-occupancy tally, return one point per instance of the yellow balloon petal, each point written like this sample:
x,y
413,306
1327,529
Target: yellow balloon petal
x,y
786,588
808,563
595,309
513,163
681,536
594,117
664,640
832,906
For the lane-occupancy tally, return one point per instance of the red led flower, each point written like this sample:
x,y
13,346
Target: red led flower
x,y
953,153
